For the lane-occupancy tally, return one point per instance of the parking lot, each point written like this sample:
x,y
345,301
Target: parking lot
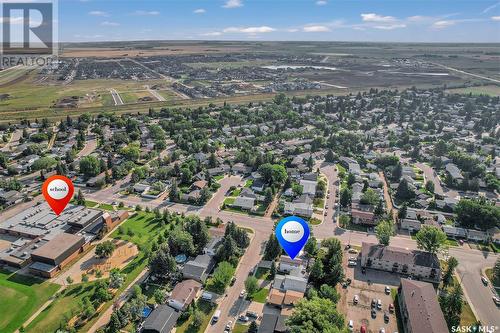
x,y
369,286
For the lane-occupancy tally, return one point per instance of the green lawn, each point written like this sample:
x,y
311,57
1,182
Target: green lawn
x,y
262,274
219,177
20,297
90,204
208,310
240,328
229,201
249,183
236,192
489,275
259,296
106,207
142,225
66,305
314,221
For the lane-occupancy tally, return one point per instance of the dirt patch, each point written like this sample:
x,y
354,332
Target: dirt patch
x,y
90,264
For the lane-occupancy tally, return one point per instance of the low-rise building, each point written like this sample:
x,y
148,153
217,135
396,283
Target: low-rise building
x,y
415,263
183,294
419,308
161,320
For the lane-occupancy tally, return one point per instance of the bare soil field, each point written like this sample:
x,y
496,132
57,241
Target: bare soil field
x,y
147,52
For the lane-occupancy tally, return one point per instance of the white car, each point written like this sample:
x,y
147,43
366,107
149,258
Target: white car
x,y
351,325
379,304
387,290
382,330
242,294
229,326
355,299
352,263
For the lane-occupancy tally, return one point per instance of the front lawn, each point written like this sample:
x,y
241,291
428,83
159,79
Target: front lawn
x,y
240,328
262,274
249,183
20,297
207,309
259,296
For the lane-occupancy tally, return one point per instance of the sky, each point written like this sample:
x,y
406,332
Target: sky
x,y
281,20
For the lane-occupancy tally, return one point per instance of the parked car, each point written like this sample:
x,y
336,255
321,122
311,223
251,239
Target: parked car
x,y
387,290
382,330
484,280
496,300
379,304
242,294
362,329
391,308
351,325
374,314
353,251
233,280
355,299
386,317
352,263
243,318
252,314
374,302
229,326
363,270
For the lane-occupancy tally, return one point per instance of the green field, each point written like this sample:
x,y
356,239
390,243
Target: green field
x,y
143,227
21,296
66,305
491,90
207,309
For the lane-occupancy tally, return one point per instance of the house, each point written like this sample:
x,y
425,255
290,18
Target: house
x,y
183,294
419,264
199,185
287,264
476,235
302,206
211,247
455,232
141,188
10,198
243,202
161,320
363,215
494,235
241,169
420,311
268,323
258,185
454,172
308,186
198,268
220,170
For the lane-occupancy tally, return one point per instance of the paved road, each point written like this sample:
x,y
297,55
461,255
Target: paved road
x,y
116,97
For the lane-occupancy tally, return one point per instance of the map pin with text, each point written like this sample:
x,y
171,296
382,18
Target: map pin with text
x,y
58,191
292,233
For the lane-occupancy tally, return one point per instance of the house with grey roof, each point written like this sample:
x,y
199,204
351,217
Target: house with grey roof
x,y
198,268
302,206
161,320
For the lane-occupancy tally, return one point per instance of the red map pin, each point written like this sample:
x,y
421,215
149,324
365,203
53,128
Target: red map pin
x,y
58,191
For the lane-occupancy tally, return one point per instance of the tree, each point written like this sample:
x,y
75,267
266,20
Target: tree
x,y
114,324
429,186
69,279
404,192
370,197
430,238
228,251
311,246
222,275
268,196
477,213
198,230
253,328
116,279
90,166
451,304
161,262
80,199
273,248
105,249
160,296
345,197
451,264
180,242
315,315
251,285
384,231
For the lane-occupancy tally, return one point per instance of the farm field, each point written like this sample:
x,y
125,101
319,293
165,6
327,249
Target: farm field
x,y
24,293
491,90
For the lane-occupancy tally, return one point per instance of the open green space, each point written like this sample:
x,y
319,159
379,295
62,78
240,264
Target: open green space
x,y
259,296
64,307
20,297
240,328
262,274
491,90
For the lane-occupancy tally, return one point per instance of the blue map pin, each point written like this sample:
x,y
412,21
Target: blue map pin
x,y
292,233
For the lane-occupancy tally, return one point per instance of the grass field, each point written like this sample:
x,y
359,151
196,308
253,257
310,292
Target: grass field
x,y
259,296
25,295
491,90
66,305
240,328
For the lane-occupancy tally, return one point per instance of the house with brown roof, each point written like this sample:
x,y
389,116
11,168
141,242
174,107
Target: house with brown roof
x,y
419,308
183,294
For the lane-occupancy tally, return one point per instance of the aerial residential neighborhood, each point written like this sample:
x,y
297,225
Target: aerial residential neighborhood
x,y
187,149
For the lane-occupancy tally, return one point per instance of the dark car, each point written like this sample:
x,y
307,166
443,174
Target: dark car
x,y
374,303
386,317
374,314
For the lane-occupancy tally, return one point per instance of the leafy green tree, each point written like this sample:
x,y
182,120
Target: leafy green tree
x,y
477,212
496,272
430,238
198,230
311,247
253,328
90,166
80,199
222,275
451,264
316,315
404,192
161,262
251,285
384,231
105,249
451,304
429,186
181,242
370,197
326,291
345,197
